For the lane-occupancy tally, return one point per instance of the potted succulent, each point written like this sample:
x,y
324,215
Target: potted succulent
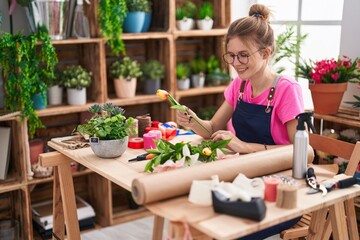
x,y
182,76
76,80
198,69
328,81
111,16
108,130
55,88
125,74
185,16
25,61
205,16
153,72
138,15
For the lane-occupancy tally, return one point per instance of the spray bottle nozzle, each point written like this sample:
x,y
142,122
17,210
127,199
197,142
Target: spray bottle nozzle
x,y
305,118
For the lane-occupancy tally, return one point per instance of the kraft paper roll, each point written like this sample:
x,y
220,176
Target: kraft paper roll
x,y
164,185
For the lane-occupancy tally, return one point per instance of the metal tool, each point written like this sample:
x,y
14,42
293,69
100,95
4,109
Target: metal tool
x,y
313,183
139,158
348,182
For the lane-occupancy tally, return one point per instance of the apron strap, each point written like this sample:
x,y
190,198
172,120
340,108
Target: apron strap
x,y
241,91
271,94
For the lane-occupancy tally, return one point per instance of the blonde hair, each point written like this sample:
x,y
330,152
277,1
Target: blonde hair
x,y
254,27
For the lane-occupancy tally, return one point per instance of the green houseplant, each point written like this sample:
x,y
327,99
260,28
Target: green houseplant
x,y
198,69
153,72
55,88
108,130
26,61
76,80
125,74
182,75
185,16
215,76
136,17
112,14
205,16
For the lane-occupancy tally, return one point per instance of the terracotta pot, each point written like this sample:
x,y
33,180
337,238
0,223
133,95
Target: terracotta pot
x,y
36,147
125,88
327,97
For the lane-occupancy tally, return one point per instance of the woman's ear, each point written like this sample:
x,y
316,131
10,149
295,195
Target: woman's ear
x,y
266,53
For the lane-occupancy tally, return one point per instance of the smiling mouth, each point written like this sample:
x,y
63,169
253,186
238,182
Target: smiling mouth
x,y
240,70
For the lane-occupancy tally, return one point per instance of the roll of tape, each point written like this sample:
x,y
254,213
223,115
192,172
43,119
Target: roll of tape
x,y
270,188
149,141
157,133
136,143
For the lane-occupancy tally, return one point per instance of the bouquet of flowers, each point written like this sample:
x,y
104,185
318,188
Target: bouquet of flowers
x,y
331,70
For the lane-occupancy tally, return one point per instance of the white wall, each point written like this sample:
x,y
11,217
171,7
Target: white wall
x,y
350,41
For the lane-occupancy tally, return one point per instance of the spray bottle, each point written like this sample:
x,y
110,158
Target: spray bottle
x,y
301,143
80,28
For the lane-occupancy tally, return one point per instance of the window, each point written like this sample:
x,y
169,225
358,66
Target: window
x,y
320,19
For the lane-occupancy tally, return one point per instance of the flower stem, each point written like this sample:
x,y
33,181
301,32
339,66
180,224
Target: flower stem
x,y
193,117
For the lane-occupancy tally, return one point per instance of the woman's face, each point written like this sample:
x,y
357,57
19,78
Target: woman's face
x,y
246,58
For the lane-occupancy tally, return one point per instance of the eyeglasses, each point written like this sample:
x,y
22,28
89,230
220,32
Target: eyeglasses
x,y
242,57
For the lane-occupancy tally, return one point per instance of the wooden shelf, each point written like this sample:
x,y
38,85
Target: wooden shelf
x,y
199,91
144,36
51,178
345,116
200,33
139,99
10,186
77,41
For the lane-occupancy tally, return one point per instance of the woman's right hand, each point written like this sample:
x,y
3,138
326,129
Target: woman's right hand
x,y
184,118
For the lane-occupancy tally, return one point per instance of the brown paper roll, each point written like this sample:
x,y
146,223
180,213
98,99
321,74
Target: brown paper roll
x,y
286,196
158,186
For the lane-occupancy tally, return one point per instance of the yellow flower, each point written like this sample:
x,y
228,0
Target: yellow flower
x,y
206,151
162,94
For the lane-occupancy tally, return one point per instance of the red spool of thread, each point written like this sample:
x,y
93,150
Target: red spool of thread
x,y
136,143
270,188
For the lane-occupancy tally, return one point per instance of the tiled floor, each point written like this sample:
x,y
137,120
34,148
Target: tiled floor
x,y
136,230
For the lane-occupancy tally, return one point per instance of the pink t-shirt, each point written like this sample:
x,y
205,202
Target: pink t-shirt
x,y
287,103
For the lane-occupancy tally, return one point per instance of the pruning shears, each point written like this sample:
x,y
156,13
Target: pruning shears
x,y
316,187
313,183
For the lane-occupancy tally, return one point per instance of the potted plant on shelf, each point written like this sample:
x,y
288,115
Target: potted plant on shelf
x,y
25,62
76,80
111,18
198,70
138,16
55,88
216,76
182,76
108,130
185,16
328,81
125,74
153,72
205,16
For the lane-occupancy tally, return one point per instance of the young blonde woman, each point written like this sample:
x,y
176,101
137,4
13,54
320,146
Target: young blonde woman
x,y
261,104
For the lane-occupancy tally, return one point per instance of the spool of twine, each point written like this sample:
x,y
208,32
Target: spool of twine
x,y
286,196
143,122
135,127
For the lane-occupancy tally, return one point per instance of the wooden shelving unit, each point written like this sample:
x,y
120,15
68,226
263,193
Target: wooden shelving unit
x,y
164,43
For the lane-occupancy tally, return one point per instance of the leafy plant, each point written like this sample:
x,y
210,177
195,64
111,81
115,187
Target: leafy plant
x,y
138,5
25,62
187,10
112,14
198,66
58,78
182,71
165,150
355,104
75,76
206,10
153,70
213,65
108,123
126,69
287,47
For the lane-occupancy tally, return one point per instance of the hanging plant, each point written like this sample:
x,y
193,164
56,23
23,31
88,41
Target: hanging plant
x,y
112,14
27,62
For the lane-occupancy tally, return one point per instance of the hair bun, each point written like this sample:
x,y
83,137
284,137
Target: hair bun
x,y
260,11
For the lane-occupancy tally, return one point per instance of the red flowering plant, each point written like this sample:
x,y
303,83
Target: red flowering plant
x,y
331,70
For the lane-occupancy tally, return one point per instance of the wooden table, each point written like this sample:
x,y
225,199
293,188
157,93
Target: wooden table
x,y
218,226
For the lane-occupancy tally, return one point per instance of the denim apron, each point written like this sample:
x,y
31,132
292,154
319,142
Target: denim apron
x,y
252,121
252,124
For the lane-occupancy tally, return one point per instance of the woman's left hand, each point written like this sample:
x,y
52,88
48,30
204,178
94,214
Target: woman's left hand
x,y
235,144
